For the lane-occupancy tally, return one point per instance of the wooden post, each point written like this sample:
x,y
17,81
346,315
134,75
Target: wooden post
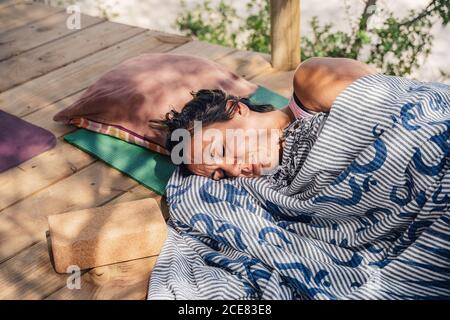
x,y
285,33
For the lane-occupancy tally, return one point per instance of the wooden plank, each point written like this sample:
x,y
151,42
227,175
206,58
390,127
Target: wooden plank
x,y
285,34
141,192
7,3
244,63
40,172
58,53
44,117
58,84
20,14
37,33
203,49
25,223
137,193
30,274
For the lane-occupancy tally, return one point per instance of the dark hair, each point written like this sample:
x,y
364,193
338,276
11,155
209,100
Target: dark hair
x,y
207,106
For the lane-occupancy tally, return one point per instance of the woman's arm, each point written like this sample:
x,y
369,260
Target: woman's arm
x,y
318,81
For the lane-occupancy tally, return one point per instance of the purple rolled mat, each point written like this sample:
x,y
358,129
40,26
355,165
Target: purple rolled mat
x,y
21,140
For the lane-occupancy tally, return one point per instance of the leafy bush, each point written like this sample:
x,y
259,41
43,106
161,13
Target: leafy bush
x,y
210,24
394,45
222,24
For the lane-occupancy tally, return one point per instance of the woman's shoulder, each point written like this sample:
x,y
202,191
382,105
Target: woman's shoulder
x,y
318,81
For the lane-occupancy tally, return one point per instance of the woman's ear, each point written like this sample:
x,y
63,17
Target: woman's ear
x,y
240,108
243,109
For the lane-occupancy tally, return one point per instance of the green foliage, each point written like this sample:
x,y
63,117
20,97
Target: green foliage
x,y
325,43
258,26
222,24
394,45
405,43
210,24
407,38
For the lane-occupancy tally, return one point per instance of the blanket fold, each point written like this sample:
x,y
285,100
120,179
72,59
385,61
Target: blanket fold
x,y
365,215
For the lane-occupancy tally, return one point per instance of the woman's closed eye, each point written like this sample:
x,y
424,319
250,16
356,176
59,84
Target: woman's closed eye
x,y
217,155
218,174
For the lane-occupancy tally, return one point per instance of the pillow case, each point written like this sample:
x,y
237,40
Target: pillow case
x,y
123,101
119,133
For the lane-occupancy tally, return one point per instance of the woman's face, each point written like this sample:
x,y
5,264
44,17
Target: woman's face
x,y
245,146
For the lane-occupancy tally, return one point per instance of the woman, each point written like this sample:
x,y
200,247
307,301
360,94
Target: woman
x,y
317,82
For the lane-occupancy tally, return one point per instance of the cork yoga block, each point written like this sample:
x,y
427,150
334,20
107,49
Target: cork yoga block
x,y
105,235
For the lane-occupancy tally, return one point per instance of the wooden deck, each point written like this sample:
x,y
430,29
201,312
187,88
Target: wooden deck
x,y
44,67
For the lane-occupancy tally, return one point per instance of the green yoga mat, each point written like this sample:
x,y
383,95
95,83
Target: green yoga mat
x,y
149,168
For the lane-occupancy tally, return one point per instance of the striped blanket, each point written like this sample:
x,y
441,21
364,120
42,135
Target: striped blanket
x,y
365,215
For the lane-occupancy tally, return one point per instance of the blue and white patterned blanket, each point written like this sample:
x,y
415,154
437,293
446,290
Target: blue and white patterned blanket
x,y
367,215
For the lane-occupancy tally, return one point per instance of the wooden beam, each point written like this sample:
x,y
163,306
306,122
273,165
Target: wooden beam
x,y
61,52
22,13
37,33
285,34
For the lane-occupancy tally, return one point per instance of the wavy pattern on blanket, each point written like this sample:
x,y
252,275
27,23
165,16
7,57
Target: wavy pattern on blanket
x,y
367,215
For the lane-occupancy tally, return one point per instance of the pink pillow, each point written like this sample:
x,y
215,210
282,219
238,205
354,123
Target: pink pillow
x,y
146,88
